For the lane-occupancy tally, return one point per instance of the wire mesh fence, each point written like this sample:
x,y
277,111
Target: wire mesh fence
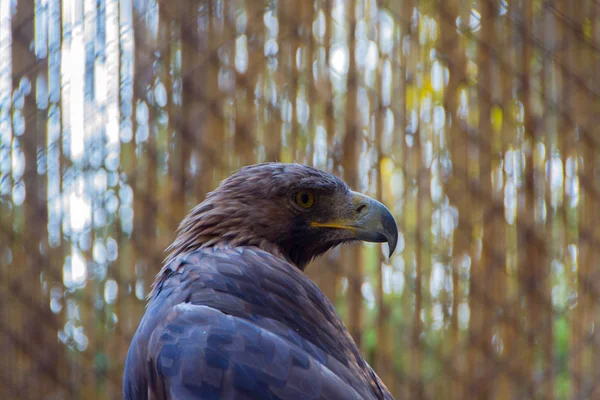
x,y
475,121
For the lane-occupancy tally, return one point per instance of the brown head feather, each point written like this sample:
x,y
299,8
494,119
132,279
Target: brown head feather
x,y
253,208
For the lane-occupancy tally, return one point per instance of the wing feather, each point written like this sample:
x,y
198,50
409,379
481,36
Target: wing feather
x,y
203,353
240,323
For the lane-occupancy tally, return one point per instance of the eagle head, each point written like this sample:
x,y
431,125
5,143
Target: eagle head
x,y
294,210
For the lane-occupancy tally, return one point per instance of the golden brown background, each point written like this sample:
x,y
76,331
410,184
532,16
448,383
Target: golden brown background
x,y
475,121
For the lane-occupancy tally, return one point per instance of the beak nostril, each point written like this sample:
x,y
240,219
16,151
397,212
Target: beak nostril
x,y
361,208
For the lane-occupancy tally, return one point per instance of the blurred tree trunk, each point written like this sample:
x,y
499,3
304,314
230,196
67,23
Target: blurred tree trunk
x,y
352,138
399,385
7,235
112,362
453,53
274,120
533,257
289,11
413,210
510,122
247,109
593,189
130,306
202,126
310,93
149,257
495,226
36,324
577,63
22,59
141,268
384,349
481,287
300,20
548,247
330,108
568,54
414,159
179,147
398,104
214,93
298,16
426,150
94,145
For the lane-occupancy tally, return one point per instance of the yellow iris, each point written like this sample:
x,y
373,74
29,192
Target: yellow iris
x,y
305,199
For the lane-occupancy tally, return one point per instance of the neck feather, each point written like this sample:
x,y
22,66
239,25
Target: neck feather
x,y
210,226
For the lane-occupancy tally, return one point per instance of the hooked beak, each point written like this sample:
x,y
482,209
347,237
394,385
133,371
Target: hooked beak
x,y
370,221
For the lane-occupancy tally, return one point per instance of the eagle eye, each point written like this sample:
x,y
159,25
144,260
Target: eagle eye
x,y
305,199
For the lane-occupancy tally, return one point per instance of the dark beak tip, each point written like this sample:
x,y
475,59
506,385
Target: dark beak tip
x,y
392,247
391,229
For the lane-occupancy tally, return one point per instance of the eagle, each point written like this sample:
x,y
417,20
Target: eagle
x,y
231,314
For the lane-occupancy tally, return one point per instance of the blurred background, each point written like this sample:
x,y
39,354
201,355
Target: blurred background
x,y
476,121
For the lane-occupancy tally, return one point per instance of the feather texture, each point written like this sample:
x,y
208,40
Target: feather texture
x,y
241,323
